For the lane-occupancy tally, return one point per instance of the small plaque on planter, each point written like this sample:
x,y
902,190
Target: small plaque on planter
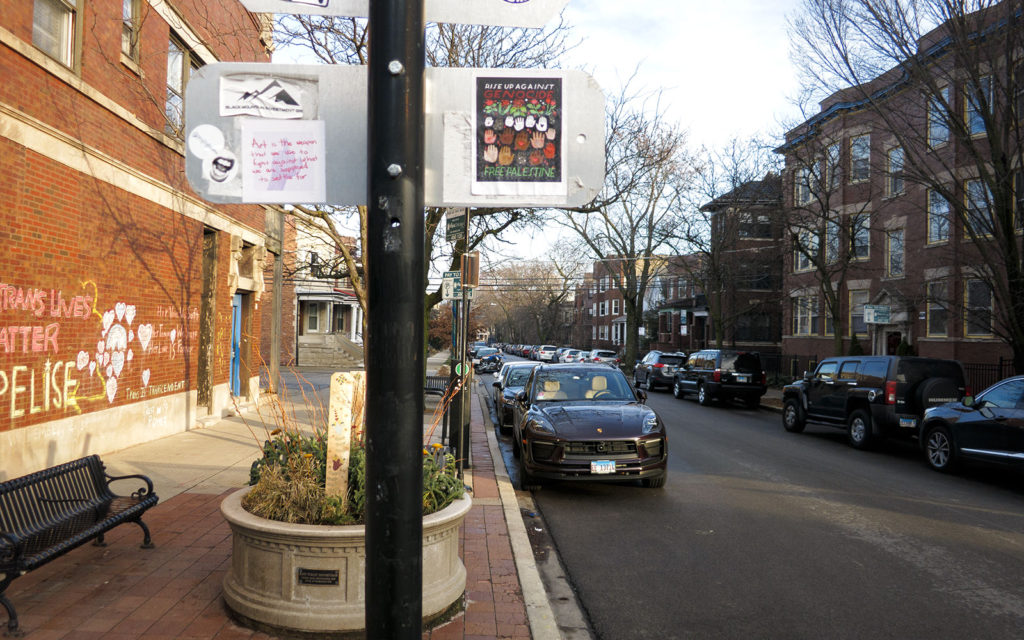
x,y
322,577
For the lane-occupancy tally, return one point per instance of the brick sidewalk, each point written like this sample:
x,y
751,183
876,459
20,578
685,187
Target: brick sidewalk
x,y
122,592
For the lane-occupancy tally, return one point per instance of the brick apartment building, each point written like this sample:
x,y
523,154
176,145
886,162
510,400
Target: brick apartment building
x,y
882,187
129,308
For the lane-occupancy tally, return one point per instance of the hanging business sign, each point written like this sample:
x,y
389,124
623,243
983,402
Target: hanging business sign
x,y
455,224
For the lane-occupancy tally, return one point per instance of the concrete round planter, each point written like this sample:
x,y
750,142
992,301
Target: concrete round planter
x,y
309,578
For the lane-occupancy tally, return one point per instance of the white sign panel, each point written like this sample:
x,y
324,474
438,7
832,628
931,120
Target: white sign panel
x,y
263,96
283,161
506,13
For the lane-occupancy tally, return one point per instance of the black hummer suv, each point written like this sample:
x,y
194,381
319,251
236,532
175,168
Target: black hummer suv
x,y
871,396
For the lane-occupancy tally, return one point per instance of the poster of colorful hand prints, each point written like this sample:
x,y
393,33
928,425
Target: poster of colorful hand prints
x,y
518,126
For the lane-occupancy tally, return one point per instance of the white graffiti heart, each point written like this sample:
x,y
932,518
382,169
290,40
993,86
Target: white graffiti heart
x,y
145,377
100,346
117,338
145,335
131,354
106,359
92,368
119,309
174,333
110,371
111,389
83,360
108,319
117,362
131,335
129,314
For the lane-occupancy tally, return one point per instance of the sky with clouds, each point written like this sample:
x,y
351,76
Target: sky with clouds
x,y
723,65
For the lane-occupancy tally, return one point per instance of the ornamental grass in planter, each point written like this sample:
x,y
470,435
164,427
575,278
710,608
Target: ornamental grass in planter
x,y
298,555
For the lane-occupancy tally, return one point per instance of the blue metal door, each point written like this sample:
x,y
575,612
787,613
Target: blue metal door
x,y
236,344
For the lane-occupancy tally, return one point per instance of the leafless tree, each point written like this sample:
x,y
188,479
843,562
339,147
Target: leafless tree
x,y
944,80
634,218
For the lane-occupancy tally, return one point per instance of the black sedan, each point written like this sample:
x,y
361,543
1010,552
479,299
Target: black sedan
x,y
989,427
507,387
585,422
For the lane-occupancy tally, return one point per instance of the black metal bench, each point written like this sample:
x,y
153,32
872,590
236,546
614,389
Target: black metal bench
x,y
437,385
47,513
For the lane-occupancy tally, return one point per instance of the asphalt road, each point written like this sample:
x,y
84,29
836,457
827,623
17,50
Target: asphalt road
x,y
761,533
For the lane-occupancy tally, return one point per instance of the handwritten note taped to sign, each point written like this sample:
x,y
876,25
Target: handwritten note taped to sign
x,y
283,161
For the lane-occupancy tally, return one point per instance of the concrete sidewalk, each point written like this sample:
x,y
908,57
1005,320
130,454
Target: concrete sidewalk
x,y
122,592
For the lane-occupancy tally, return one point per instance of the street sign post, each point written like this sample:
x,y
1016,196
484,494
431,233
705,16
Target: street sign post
x,y
310,152
499,13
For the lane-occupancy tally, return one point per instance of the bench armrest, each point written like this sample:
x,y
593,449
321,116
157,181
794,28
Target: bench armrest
x,y
142,492
12,550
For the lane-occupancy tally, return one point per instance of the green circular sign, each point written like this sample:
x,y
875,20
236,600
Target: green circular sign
x,y
459,368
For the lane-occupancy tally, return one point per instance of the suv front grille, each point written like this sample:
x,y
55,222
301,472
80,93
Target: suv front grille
x,y
606,449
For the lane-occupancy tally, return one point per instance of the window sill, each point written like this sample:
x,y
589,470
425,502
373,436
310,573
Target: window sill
x,y
132,65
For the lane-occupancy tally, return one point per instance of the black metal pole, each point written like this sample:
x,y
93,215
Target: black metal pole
x,y
394,357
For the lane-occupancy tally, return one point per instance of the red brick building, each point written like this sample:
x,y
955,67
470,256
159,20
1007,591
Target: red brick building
x,y
882,188
129,308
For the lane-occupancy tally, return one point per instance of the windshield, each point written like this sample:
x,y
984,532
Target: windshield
x,y
486,352
671,360
583,385
604,354
742,362
517,377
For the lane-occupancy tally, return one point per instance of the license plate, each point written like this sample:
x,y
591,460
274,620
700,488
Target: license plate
x,y
908,422
742,378
602,466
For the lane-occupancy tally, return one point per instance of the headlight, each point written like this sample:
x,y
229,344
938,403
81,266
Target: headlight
x,y
650,423
541,426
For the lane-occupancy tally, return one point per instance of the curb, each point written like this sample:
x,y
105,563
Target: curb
x,y
538,609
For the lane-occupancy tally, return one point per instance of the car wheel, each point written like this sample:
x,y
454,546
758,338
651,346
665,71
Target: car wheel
x,y
655,482
677,390
939,452
526,481
515,445
859,430
793,416
702,395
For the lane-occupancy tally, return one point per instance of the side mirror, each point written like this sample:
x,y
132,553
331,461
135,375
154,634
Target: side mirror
x,y
496,385
808,375
521,396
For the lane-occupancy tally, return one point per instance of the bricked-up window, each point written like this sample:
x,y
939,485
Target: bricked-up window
x,y
977,308
938,313
805,315
978,102
896,185
860,158
860,236
938,118
130,13
979,207
858,298
894,254
53,29
938,218
181,62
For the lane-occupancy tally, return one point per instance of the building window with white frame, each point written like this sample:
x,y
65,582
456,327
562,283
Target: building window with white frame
x,y
807,246
938,118
895,162
977,102
313,317
978,308
938,311
53,29
894,253
615,307
860,158
130,13
858,298
832,171
938,218
860,236
979,207
805,315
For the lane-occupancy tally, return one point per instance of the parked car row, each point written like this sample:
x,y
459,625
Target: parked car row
x,y
551,353
709,374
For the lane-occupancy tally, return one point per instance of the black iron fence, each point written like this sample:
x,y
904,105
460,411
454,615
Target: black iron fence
x,y
783,369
